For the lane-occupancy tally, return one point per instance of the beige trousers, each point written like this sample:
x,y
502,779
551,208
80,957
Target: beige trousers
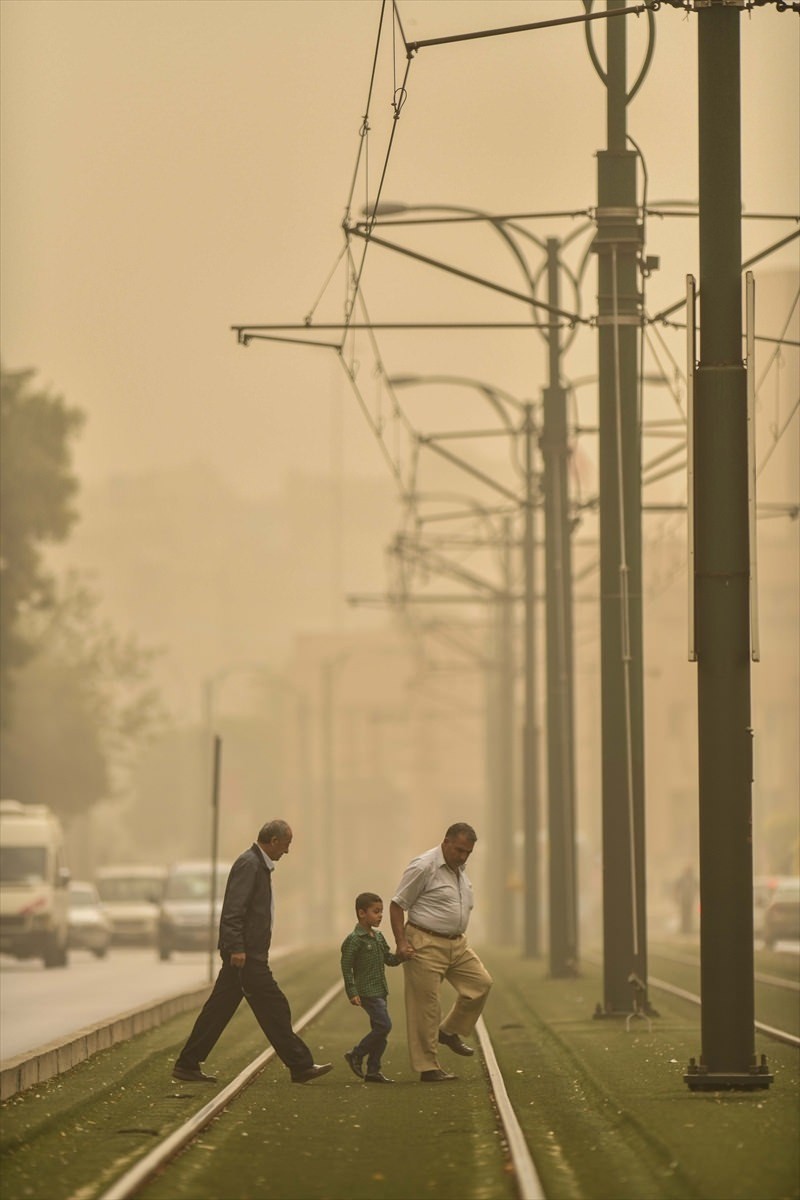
x,y
435,959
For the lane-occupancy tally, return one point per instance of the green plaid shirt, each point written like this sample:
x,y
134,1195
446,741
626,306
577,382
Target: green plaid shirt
x,y
364,959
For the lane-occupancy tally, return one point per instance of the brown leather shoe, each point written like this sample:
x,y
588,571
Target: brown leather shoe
x,y
454,1042
312,1072
436,1076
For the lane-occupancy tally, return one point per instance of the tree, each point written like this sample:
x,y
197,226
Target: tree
x,y
37,488
84,706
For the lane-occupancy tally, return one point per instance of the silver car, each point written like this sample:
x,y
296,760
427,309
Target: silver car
x,y
185,920
88,925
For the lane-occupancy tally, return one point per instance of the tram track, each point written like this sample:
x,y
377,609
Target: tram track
x,y
779,1035
765,980
528,1184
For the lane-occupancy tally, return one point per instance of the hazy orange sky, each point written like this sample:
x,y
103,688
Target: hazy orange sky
x,y
173,168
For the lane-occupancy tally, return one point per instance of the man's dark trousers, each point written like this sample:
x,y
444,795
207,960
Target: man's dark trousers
x,y
255,982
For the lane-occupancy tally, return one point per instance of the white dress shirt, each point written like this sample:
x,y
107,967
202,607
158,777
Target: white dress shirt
x,y
434,896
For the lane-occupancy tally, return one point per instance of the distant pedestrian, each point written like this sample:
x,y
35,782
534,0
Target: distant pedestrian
x,y
365,956
436,895
245,934
685,894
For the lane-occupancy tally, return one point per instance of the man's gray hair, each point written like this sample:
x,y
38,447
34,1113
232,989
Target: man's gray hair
x,y
461,827
273,830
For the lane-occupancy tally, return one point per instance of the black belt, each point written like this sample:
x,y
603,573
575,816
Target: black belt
x,y
434,932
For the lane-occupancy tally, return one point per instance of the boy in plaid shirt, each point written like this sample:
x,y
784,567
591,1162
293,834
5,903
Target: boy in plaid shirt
x,y
365,955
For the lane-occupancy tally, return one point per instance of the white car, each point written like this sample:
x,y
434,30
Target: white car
x,y
89,927
131,895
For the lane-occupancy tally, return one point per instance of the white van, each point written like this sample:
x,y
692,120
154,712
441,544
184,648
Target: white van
x,y
34,895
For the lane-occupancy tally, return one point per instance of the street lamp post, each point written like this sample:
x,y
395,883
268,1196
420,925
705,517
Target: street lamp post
x,y
527,431
212,757
563,918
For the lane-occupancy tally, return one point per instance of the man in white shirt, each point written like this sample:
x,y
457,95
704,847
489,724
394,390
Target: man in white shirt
x,y
429,914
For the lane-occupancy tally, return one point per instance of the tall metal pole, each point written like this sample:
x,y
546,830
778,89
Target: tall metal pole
x,y
500,750
215,776
721,582
495,800
326,899
530,783
617,243
507,731
558,607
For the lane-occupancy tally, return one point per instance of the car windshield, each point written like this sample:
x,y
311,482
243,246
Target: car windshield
x,y
195,885
23,864
82,898
786,893
134,888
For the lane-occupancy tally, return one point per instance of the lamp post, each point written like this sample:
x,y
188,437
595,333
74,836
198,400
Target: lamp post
x,y
212,744
326,902
563,918
527,431
498,663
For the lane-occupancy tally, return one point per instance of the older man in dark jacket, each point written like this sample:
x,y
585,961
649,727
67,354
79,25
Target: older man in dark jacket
x,y
245,933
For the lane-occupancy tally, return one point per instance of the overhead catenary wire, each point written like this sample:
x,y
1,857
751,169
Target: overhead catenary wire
x,y
364,130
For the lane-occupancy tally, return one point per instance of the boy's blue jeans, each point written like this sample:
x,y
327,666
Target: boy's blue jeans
x,y
373,1045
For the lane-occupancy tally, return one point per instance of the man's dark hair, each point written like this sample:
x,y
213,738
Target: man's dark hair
x,y
273,829
365,900
461,827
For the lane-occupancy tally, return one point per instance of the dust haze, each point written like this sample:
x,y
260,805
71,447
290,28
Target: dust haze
x,y
172,170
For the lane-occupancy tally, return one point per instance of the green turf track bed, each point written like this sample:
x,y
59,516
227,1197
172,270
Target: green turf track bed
x,y
605,1111
334,1138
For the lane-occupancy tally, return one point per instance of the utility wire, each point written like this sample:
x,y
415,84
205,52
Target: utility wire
x,y
363,132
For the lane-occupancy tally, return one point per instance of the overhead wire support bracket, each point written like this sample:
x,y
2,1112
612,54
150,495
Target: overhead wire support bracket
x,y
413,47
271,333
573,318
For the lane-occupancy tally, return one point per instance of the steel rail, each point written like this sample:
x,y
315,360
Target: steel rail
x,y
129,1183
528,1182
759,976
780,1035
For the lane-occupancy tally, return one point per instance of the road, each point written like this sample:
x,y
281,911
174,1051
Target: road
x,y
39,1006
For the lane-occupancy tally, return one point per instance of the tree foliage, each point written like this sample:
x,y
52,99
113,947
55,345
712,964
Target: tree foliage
x,y
37,488
84,706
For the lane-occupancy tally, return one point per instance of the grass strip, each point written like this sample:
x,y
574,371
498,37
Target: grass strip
x,y
74,1134
606,1112
339,1137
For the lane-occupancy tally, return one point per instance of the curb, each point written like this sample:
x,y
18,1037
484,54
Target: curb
x,y
26,1070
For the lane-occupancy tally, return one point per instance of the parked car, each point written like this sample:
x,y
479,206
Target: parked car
x,y
89,926
33,883
131,895
782,914
185,921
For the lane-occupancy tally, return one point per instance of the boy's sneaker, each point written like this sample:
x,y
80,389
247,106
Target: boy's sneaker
x,y
354,1063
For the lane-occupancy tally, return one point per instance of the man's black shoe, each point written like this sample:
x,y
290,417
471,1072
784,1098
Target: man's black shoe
x,y
192,1075
436,1076
377,1077
354,1063
455,1044
313,1072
